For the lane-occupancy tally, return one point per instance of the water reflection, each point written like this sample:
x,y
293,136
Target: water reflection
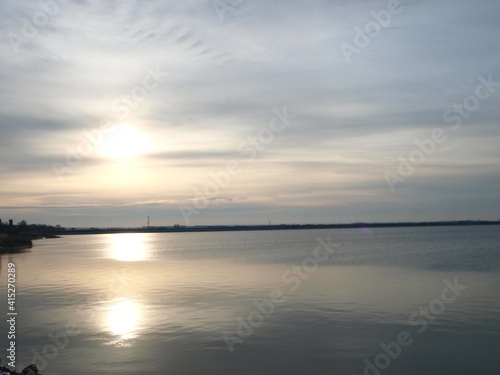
x,y
129,247
123,319
156,316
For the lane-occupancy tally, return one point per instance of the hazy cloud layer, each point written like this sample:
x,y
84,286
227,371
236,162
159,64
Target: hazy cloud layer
x,y
207,85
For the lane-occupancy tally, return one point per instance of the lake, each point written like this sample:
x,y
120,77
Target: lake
x,y
330,301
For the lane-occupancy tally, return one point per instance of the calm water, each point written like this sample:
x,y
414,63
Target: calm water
x,y
177,303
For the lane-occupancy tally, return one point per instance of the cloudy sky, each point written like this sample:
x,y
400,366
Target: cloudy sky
x,y
244,111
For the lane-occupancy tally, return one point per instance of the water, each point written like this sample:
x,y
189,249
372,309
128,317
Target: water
x,y
177,303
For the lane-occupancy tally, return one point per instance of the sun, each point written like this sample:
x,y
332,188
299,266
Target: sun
x,y
125,141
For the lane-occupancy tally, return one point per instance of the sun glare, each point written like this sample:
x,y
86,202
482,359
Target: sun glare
x,y
125,141
128,247
123,319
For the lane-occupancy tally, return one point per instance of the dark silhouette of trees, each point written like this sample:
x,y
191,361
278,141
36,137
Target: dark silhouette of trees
x,y
23,227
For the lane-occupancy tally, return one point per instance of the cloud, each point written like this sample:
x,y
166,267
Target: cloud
x,y
224,80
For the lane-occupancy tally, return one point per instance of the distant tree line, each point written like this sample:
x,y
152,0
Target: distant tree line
x,y
23,227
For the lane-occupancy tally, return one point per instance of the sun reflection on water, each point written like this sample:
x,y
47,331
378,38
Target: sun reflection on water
x,y
129,247
123,319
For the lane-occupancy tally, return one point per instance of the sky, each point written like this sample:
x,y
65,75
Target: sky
x,y
248,111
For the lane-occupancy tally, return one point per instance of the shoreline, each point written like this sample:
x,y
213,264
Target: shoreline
x,y
241,228
14,244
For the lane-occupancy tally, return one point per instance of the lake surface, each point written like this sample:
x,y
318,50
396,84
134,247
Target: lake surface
x,y
267,302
